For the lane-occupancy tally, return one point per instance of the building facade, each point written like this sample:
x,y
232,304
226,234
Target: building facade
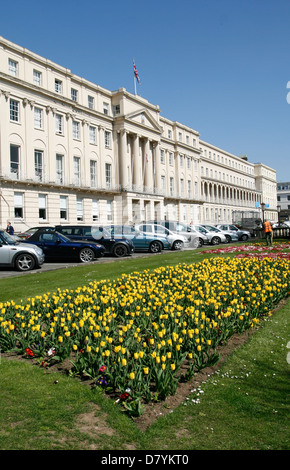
x,y
283,200
74,152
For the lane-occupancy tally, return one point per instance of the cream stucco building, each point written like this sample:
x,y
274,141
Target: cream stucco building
x,y
74,152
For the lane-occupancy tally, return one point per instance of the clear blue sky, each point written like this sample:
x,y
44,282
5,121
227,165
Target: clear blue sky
x,y
218,66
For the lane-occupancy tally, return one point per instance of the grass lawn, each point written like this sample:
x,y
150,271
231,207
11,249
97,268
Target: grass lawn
x,y
244,405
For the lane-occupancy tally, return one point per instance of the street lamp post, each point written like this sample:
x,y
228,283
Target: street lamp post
x,y
278,210
263,211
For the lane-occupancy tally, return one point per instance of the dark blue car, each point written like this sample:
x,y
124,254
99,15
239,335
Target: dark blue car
x,y
116,246
57,247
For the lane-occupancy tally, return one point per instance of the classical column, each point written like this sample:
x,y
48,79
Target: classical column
x,y
136,164
123,159
148,167
157,179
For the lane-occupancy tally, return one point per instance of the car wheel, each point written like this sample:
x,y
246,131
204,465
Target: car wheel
x,y
215,240
228,238
200,242
24,262
244,238
177,245
155,247
86,255
119,251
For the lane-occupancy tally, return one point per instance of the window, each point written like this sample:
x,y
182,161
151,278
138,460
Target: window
x,y
169,134
180,137
18,205
163,184
59,124
189,188
93,173
95,210
37,77
107,139
76,129
77,171
13,67
80,212
181,160
170,158
106,108
59,169
181,187
58,86
91,102
63,207
14,111
74,94
15,161
188,163
116,109
162,156
38,164
42,207
109,211
108,170
38,118
92,135
171,186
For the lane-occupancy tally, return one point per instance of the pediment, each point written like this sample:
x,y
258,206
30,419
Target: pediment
x,y
144,118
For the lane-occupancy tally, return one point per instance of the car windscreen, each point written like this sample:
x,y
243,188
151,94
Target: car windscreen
x,y
7,238
100,232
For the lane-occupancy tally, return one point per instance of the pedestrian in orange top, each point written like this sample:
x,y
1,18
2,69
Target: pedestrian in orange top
x,y
268,232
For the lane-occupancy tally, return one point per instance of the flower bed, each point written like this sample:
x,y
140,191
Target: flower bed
x,y
256,247
133,335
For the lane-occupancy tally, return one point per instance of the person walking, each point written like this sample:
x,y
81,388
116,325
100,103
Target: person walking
x,y
10,229
268,232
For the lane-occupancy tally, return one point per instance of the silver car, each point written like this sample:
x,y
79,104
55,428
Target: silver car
x,y
230,236
195,239
243,235
214,235
22,256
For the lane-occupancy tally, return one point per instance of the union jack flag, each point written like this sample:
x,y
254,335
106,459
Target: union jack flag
x,y
136,73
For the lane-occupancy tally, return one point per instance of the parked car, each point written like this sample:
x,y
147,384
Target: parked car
x,y
195,238
32,230
177,241
243,235
57,247
230,236
141,240
214,236
118,247
21,256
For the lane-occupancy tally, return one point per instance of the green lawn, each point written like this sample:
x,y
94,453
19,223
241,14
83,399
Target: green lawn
x,y
245,405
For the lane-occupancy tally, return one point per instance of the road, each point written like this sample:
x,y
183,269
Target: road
x,y
9,272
